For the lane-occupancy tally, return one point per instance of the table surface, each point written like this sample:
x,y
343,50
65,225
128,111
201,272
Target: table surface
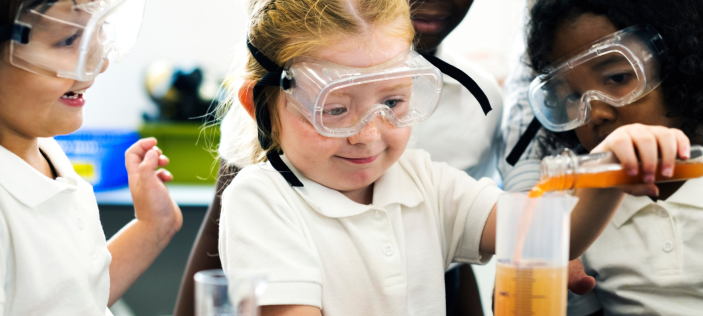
x,y
183,194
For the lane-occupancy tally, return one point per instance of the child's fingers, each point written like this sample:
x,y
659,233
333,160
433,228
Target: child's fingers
x,y
135,153
158,150
579,282
683,144
667,149
620,144
647,148
148,166
164,175
147,143
163,161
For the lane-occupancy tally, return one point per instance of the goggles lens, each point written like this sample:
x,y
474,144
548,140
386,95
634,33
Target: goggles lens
x,y
340,102
564,96
73,39
617,70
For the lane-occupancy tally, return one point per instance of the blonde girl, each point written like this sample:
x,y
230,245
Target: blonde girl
x,y
332,208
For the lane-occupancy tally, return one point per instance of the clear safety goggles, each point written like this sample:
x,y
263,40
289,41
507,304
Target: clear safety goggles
x,y
73,38
617,70
339,101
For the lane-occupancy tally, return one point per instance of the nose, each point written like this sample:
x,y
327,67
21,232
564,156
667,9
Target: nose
x,y
368,134
602,112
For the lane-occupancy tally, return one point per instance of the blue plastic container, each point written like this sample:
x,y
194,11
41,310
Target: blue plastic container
x,y
97,155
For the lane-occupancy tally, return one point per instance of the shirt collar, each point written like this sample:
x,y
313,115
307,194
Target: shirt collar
x,y
30,186
395,186
688,194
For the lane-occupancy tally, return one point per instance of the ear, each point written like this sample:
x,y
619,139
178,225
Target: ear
x,y
246,97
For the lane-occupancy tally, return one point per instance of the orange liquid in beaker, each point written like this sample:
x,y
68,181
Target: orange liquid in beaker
x,y
536,291
607,179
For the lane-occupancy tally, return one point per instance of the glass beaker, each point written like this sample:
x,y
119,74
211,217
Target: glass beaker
x,y
232,294
532,250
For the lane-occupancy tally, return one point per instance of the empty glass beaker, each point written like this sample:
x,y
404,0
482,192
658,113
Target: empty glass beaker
x,y
232,294
532,250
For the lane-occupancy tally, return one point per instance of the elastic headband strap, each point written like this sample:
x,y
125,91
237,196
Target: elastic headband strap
x,y
523,142
263,116
463,78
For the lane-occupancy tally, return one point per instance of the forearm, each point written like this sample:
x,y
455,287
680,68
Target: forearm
x,y
133,250
591,215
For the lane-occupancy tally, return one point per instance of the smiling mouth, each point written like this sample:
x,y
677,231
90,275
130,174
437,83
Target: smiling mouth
x,y
73,95
360,161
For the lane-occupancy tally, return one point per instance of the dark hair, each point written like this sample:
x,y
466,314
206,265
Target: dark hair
x,y
679,22
8,11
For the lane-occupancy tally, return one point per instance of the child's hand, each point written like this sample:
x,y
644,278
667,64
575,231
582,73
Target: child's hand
x,y
653,145
152,202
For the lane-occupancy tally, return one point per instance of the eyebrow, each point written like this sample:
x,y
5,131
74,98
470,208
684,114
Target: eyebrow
x,y
398,86
611,60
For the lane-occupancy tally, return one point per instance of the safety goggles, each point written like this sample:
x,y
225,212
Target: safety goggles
x,y
339,101
618,69
73,38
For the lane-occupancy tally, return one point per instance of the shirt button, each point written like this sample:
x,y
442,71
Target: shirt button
x,y
80,224
668,246
388,249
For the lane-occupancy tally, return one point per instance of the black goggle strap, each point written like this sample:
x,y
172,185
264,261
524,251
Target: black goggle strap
x,y
523,142
16,32
263,117
463,78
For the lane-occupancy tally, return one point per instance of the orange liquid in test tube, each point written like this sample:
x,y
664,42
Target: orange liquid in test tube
x,y
536,291
607,179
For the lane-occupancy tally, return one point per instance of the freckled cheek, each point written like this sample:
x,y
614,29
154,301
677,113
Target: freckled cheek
x,y
307,142
397,138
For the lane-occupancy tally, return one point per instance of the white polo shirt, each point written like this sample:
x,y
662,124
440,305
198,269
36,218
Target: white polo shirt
x,y
649,260
320,248
458,132
53,255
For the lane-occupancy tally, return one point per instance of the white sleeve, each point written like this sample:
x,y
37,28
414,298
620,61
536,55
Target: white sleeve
x,y
464,205
259,231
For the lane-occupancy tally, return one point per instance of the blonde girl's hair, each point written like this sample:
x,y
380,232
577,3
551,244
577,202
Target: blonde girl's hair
x,y
283,29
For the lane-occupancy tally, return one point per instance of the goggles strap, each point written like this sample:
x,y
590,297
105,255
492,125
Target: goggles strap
x,y
263,117
523,142
463,78
16,32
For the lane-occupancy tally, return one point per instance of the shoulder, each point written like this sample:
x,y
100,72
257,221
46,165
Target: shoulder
x,y
260,178
258,187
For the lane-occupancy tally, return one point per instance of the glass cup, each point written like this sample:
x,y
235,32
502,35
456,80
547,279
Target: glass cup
x,y
532,250
231,294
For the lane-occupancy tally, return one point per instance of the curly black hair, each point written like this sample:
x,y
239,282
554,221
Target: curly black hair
x,y
679,22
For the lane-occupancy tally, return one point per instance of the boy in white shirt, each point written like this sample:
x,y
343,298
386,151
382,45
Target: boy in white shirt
x,y
53,256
